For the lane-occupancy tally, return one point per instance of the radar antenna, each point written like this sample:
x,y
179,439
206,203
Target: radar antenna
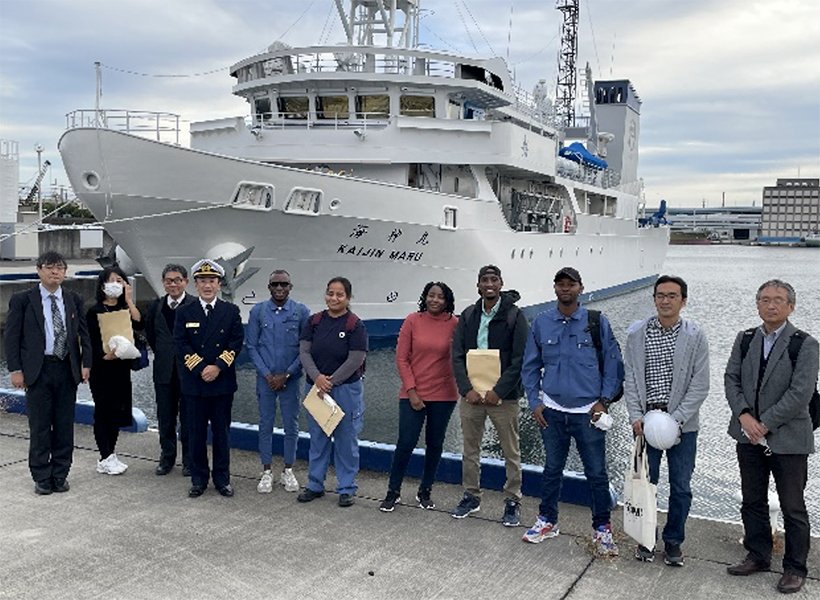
x,y
368,18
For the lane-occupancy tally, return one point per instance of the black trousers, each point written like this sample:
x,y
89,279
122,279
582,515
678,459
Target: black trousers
x,y
50,408
169,406
215,410
790,474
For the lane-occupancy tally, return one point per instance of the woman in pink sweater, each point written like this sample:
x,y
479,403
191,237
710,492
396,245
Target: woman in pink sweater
x,y
428,388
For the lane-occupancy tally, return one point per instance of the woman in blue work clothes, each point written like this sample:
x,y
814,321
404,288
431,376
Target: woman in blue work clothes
x,y
332,349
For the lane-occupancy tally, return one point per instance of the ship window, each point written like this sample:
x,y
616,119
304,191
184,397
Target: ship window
x,y
332,107
372,107
262,107
417,106
293,107
255,196
304,201
449,218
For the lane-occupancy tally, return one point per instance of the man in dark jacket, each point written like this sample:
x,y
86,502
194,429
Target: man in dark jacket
x,y
769,392
492,323
48,352
208,335
159,329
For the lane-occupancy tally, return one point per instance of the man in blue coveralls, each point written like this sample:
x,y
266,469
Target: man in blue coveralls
x,y
272,338
570,384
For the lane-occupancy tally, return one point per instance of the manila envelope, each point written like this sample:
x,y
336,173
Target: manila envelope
x,y
115,323
327,415
483,369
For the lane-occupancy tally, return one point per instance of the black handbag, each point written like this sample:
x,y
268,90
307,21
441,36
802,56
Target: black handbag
x,y
138,364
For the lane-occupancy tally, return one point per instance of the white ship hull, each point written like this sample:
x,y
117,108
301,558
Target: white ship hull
x,y
164,203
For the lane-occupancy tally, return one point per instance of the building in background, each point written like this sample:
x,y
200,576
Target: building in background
x,y
791,211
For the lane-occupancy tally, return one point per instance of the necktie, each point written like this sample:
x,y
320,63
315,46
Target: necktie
x,y
207,311
174,304
59,329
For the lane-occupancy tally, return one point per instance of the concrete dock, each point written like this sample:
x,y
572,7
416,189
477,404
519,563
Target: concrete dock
x,y
139,536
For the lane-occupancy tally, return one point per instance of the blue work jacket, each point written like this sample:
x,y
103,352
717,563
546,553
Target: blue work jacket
x,y
560,359
272,337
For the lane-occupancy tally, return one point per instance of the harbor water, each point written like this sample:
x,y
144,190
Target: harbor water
x,y
722,282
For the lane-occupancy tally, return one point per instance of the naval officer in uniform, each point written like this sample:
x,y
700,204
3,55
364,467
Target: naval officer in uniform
x,y
208,335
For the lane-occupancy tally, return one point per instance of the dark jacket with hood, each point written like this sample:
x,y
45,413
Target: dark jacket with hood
x,y
509,340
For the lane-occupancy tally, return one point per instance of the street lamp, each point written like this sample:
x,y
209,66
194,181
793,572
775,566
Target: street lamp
x,y
39,150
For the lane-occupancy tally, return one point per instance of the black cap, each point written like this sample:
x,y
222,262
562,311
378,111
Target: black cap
x,y
568,272
489,269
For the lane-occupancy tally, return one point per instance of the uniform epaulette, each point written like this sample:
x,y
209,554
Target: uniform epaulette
x,y
228,357
192,360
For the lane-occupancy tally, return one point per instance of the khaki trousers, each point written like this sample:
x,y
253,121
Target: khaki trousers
x,y
504,418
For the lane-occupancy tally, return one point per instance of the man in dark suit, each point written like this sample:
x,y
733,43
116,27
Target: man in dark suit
x,y
208,336
159,329
48,353
769,394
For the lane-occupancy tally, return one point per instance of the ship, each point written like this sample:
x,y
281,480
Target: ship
x,y
385,162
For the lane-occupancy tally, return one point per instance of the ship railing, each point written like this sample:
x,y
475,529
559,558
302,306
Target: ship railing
x,y
321,120
387,62
605,178
161,126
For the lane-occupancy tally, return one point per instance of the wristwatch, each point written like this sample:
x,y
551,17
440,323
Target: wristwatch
x,y
605,401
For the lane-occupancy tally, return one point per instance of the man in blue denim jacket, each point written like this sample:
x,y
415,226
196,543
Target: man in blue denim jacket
x,y
568,391
272,338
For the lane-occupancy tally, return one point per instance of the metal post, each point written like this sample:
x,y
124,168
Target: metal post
x,y
39,150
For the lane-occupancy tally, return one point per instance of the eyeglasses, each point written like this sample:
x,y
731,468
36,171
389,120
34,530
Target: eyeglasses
x,y
661,296
778,301
174,281
53,267
279,284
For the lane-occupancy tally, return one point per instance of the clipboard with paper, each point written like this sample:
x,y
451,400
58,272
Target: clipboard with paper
x,y
323,408
113,323
483,369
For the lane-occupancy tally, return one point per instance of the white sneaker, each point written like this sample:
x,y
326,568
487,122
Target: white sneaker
x,y
121,466
266,483
110,466
542,530
288,479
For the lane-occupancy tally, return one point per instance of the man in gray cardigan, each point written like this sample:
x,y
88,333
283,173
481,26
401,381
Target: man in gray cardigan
x,y
666,361
769,394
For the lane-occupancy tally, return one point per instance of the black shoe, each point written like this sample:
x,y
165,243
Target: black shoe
x,y
61,485
309,495
186,471
225,490
790,582
424,499
346,500
673,555
747,567
512,513
389,502
43,488
196,491
163,469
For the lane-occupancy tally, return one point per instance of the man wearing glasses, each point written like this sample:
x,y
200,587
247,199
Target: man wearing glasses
x,y
666,360
159,329
272,338
770,378
48,353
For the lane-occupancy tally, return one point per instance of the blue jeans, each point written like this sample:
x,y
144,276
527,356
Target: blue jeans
x,y
437,415
681,461
591,444
289,404
345,442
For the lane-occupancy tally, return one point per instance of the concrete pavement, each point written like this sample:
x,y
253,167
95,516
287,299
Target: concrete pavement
x,y
139,536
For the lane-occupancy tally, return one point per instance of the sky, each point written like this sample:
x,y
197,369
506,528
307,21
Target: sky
x,y
730,88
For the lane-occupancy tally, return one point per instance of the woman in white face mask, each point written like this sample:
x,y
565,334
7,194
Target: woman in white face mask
x,y
110,380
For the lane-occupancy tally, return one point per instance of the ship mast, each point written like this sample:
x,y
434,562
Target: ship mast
x,y
565,91
368,19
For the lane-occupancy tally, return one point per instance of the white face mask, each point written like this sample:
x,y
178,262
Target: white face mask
x,y
113,289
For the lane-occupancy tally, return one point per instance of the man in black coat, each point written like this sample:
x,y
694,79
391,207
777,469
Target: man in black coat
x,y
159,329
208,336
48,353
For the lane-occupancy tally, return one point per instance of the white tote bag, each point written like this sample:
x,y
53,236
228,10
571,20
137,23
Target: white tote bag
x,y
640,498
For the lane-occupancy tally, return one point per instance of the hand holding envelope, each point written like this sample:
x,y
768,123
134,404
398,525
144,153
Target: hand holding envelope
x,y
483,370
323,408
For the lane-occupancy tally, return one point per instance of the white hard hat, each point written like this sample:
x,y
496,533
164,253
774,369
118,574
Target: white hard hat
x,y
660,430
